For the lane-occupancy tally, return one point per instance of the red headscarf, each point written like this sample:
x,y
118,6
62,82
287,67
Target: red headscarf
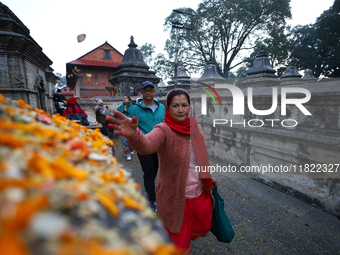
x,y
190,127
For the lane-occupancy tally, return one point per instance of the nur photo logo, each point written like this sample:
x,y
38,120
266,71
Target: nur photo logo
x,y
238,103
204,97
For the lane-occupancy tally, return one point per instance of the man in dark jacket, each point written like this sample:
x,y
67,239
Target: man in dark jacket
x,y
149,112
59,98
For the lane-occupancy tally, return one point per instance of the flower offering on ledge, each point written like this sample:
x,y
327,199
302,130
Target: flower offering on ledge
x,y
62,192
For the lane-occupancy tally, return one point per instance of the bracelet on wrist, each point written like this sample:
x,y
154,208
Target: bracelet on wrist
x,y
133,139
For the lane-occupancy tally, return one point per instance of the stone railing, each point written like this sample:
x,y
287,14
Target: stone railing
x,y
314,140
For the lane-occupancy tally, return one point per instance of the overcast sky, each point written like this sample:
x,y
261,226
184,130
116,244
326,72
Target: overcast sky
x,y
54,25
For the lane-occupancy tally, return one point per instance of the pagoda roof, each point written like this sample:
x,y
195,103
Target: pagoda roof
x,y
210,72
133,58
94,63
99,62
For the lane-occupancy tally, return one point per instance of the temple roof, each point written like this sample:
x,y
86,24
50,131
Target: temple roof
x,y
161,84
210,73
133,57
291,72
261,66
308,74
93,63
15,36
132,71
83,60
181,73
11,22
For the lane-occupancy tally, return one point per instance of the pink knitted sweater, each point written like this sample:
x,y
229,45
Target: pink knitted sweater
x,y
174,158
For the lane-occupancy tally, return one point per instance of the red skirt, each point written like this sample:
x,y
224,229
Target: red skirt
x,y
196,221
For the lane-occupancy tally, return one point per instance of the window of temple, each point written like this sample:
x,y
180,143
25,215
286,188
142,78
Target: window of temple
x,y
107,54
95,77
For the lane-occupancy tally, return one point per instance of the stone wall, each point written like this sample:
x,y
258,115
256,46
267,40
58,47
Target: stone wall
x,y
315,140
25,71
24,80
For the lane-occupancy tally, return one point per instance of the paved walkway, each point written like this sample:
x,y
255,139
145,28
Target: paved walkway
x,y
265,220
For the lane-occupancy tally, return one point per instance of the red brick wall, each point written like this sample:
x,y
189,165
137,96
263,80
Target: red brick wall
x,y
103,74
89,74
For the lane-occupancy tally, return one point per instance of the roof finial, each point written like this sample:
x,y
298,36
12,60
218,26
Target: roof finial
x,y
132,43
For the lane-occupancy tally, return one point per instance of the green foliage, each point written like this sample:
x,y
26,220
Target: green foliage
x,y
147,51
164,67
306,47
241,72
225,27
317,46
231,75
328,30
277,46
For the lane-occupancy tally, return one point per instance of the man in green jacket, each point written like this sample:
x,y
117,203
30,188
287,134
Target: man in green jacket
x,y
149,112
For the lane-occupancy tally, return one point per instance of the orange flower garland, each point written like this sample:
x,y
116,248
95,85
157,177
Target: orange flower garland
x,y
61,190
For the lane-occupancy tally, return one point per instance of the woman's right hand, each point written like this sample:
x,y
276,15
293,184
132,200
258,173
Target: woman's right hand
x,y
126,126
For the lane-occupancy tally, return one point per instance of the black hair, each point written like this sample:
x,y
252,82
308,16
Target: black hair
x,y
176,92
58,90
128,96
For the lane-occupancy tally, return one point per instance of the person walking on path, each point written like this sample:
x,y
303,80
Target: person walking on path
x,y
101,113
149,112
59,99
184,200
126,109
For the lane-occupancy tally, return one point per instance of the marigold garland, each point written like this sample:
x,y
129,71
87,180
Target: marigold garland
x,y
62,192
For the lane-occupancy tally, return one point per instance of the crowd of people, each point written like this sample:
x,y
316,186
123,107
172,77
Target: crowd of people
x,y
169,144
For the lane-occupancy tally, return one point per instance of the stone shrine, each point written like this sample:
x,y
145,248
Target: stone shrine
x,y
162,88
261,74
309,76
25,71
291,76
132,71
210,75
183,79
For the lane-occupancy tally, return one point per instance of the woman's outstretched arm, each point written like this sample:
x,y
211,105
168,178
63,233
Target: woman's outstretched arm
x,y
128,127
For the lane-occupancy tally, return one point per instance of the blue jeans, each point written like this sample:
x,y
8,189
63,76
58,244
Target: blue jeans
x,y
123,139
